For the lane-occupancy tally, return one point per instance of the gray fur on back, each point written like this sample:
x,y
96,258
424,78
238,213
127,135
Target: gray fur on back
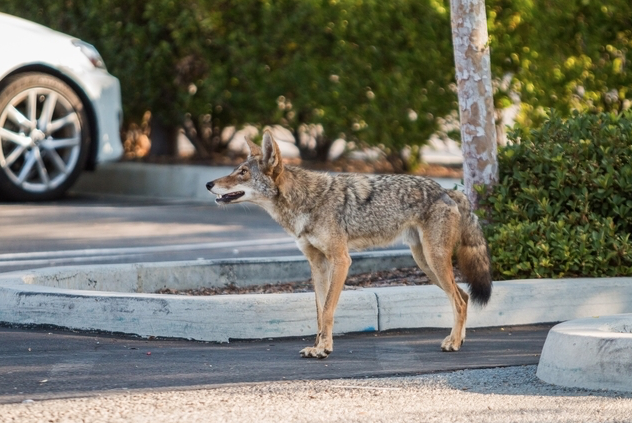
x,y
370,209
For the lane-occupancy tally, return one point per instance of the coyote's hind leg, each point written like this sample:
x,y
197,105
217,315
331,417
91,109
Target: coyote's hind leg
x,y
439,235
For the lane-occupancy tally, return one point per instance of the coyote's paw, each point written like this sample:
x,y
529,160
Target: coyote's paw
x,y
451,344
315,352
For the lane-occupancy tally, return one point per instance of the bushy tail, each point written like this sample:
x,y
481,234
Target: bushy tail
x,y
472,252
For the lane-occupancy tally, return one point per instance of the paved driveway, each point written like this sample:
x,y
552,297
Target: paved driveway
x,y
91,230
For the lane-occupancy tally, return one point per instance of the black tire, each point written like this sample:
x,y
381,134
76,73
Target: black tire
x,y
44,137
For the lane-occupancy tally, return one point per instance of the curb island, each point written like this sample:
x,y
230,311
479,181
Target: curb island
x,y
115,298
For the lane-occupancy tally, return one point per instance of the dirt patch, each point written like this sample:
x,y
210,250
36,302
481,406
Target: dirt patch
x,y
396,277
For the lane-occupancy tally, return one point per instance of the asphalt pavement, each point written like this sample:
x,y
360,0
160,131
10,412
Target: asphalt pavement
x,y
40,364
83,229
92,229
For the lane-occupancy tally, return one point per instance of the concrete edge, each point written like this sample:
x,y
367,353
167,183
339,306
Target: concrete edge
x,y
220,318
180,275
590,353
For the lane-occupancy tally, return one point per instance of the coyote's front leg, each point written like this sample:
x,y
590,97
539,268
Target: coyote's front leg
x,y
328,275
320,280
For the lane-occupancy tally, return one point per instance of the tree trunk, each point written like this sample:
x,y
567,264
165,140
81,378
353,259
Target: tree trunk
x,y
476,104
397,162
317,152
196,134
164,138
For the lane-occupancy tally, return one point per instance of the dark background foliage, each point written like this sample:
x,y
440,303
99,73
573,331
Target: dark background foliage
x,y
378,72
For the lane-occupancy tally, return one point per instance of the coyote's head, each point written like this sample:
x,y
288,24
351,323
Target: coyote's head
x,y
255,180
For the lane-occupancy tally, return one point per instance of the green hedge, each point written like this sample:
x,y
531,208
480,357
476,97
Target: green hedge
x,y
376,71
380,72
563,207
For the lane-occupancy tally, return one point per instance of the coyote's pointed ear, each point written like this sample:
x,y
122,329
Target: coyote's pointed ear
x,y
255,150
271,161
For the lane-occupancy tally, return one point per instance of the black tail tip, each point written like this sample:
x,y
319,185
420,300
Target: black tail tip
x,y
481,292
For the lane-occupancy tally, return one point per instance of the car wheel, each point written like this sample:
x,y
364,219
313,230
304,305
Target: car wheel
x,y
44,137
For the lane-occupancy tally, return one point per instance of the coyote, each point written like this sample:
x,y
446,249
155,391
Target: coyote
x,y
330,214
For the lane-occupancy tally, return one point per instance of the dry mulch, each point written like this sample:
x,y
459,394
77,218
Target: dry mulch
x,y
380,166
396,277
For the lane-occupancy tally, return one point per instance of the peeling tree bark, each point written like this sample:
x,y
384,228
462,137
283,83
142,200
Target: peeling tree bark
x,y
476,103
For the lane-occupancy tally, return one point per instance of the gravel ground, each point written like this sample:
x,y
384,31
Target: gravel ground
x,y
491,395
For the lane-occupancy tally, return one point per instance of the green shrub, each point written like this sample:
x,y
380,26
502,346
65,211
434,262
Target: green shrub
x,y
378,72
562,54
563,207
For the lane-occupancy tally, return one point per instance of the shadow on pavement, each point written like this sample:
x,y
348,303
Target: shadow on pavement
x,y
41,364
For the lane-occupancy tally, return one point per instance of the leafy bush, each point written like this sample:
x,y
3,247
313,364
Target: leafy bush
x,y
563,206
379,72
562,54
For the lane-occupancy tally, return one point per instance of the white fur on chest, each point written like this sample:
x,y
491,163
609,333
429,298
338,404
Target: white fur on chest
x,y
295,225
299,223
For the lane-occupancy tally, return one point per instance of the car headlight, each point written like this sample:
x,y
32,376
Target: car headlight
x,y
91,53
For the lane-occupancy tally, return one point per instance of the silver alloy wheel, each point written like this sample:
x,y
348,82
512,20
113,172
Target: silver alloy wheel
x,y
40,139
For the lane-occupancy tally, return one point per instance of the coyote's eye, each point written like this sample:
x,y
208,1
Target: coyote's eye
x,y
243,171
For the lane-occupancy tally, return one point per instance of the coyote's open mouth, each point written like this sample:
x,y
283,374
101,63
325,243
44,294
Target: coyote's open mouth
x,y
227,198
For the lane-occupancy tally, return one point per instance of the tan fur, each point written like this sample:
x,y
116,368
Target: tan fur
x,y
328,215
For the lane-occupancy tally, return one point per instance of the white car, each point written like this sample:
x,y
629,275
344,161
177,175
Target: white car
x,y
60,111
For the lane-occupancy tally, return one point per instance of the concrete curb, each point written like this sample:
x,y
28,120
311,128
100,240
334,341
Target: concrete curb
x,y
517,302
591,353
148,180
25,300
151,277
